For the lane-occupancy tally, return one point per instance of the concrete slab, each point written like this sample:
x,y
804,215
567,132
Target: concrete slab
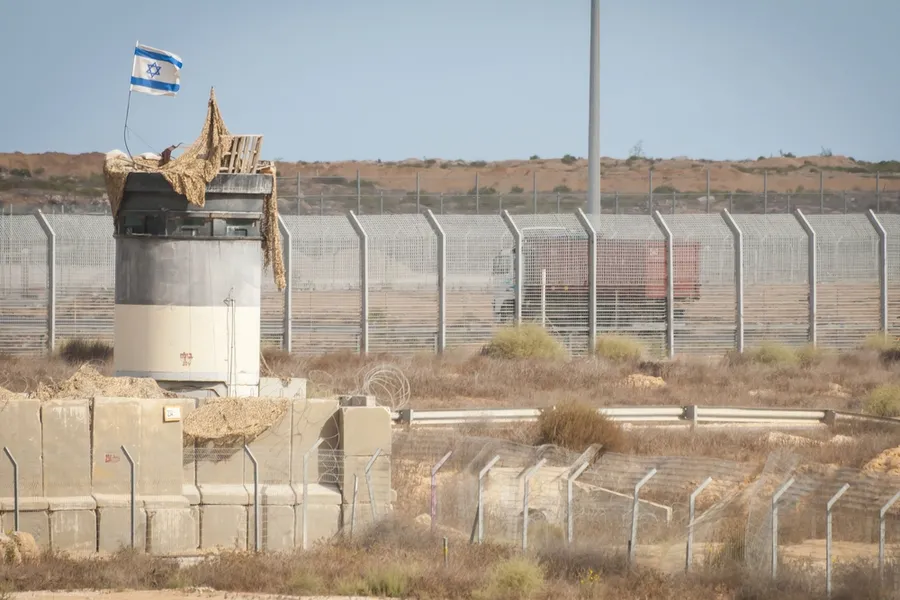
x,y
274,387
380,477
277,528
225,495
161,450
171,530
74,530
20,431
276,495
37,523
324,523
66,434
365,430
223,527
188,460
311,420
117,422
272,450
319,494
114,529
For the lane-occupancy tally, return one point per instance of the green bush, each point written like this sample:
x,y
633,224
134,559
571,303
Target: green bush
x,y
884,401
576,426
773,354
514,579
524,341
80,350
619,349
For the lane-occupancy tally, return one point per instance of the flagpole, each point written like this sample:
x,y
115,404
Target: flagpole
x,y
128,108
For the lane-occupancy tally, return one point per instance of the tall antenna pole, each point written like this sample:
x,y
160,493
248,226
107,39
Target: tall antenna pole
x,y
594,117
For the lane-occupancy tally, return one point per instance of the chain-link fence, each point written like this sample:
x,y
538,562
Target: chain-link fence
x,y
431,282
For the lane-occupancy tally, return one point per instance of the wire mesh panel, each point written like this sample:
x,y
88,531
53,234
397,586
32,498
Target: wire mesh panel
x,y
23,285
86,276
631,279
480,292
271,316
891,224
555,276
776,279
325,279
704,284
848,292
403,295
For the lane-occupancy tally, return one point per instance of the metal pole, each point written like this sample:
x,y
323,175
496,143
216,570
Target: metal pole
x,y
812,257
434,472
381,203
594,114
828,508
881,514
305,507
878,191
51,279
477,196
731,201
534,190
363,283
632,543
353,505
518,263
821,192
882,269
617,203
15,470
592,278
570,500
132,492
480,508
738,280
765,192
418,195
286,334
543,297
674,200
526,489
689,552
358,193
708,191
368,475
775,498
321,204
557,202
446,548
650,194
257,521
670,283
844,198
441,280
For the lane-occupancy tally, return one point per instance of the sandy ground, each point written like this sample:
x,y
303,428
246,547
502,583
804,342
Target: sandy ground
x,y
169,595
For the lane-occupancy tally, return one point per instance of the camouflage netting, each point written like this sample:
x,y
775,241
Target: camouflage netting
x,y
189,174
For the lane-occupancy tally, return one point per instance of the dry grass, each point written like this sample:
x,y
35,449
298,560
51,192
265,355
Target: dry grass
x,y
884,401
576,426
618,349
527,341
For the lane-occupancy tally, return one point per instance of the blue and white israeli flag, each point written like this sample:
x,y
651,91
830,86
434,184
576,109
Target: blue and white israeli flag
x,y
155,72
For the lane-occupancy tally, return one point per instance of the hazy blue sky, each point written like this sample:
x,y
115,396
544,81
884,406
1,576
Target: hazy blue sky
x,y
471,79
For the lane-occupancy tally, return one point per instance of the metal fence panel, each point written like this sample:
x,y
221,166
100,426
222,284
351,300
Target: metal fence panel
x,y
891,224
631,296
476,292
86,276
776,280
403,296
848,291
555,276
704,284
23,285
325,278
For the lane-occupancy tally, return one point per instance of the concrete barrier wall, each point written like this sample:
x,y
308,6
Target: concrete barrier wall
x,y
74,479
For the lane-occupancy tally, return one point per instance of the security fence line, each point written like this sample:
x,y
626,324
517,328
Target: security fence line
x,y
701,283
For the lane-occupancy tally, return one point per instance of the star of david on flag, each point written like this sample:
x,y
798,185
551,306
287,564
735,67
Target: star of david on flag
x,y
155,72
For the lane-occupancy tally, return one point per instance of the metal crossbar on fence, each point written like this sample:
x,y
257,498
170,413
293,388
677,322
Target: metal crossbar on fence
x,y
682,284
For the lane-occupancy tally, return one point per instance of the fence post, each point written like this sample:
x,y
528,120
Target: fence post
x,y
480,508
517,261
592,278
821,192
650,194
418,195
525,498
765,192
363,283
368,475
812,258
738,280
477,196
570,500
534,191
358,193
775,498
434,471
305,508
881,514
882,268
708,191
670,283
132,495
286,335
257,522
353,505
617,203
15,470
632,543
441,280
689,551
828,508
51,279
877,191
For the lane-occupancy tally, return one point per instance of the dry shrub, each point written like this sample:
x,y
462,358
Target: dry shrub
x,y
879,342
79,350
524,341
619,349
518,578
811,356
773,354
575,426
884,401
